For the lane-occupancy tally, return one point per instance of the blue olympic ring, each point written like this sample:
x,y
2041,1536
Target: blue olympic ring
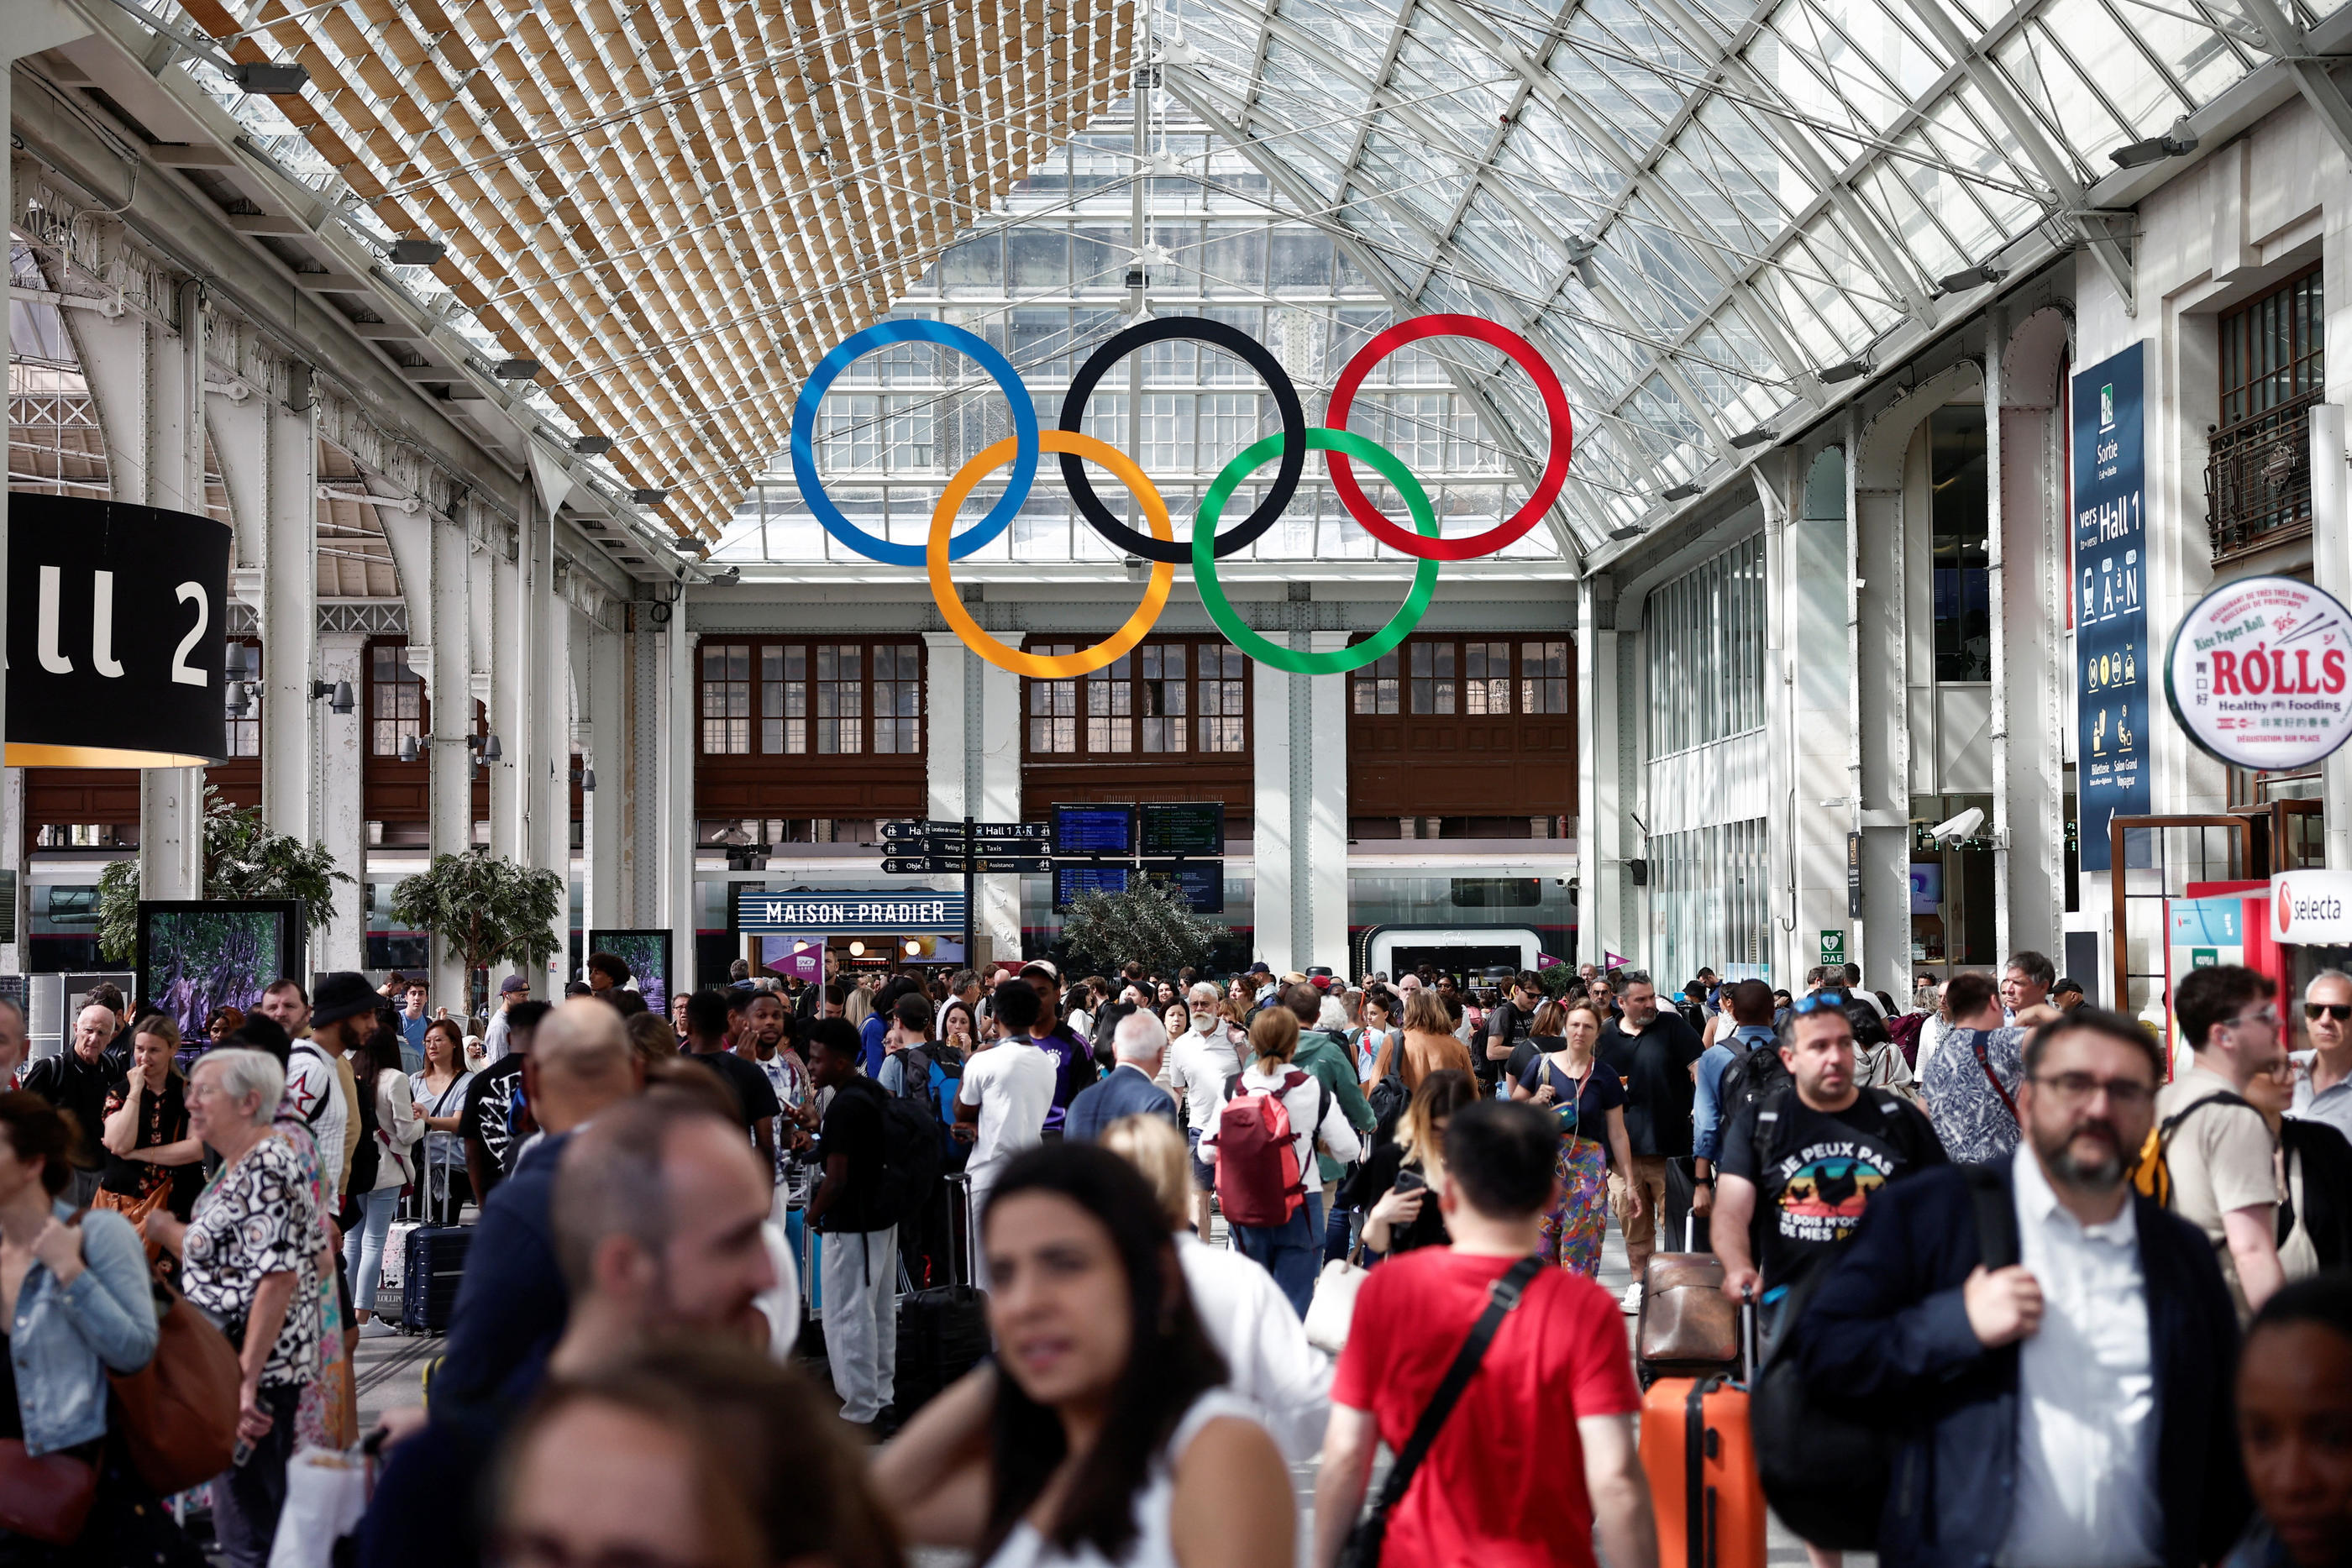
x,y
855,347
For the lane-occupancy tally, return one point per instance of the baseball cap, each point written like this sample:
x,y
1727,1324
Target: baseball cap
x,y
1259,969
512,984
1320,982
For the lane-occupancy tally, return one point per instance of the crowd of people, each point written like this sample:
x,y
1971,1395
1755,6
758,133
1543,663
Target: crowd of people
x,y
2092,1302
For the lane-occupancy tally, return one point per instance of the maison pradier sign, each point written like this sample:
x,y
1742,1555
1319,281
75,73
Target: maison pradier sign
x,y
2259,673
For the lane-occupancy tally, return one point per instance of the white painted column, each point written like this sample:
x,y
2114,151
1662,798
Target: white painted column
x,y
446,665
947,737
1600,828
1819,710
675,804
603,736
342,798
2027,628
2331,568
291,720
996,798
642,711
1272,831
1323,815
171,799
503,667
550,800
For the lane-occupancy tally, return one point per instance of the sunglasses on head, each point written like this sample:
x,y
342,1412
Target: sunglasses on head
x,y
1818,1000
2339,1011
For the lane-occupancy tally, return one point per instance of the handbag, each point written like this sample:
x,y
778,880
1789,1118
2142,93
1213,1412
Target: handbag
x,y
1334,1305
326,1494
1984,1059
1364,1542
44,1496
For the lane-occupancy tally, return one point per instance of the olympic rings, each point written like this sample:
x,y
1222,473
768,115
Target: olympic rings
x,y
1424,542
1548,487
1332,444
1040,666
1242,347
856,346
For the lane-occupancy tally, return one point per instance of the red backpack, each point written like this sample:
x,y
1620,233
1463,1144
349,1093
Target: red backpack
x,y
1259,1183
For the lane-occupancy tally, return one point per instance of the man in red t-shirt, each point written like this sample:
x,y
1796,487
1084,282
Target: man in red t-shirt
x,y
1542,1441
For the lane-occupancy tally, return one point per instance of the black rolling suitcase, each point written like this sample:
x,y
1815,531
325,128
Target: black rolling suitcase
x,y
429,1276
942,1331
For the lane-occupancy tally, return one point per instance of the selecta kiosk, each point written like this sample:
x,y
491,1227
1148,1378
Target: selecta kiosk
x,y
2289,928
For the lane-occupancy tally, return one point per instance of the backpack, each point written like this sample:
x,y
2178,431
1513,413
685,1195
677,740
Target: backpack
x,y
367,1158
1748,1079
1259,1183
1904,1032
2151,1175
912,1158
947,1084
1387,1099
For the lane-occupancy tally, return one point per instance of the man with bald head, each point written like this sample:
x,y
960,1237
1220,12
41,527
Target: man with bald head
x,y
511,1303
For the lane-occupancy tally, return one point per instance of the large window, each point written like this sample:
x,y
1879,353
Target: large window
x,y
396,699
767,697
1705,636
1484,677
1959,517
2272,357
1710,902
243,731
1166,697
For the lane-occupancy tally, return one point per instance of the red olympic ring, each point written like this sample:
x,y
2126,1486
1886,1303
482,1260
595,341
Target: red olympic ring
x,y
1548,487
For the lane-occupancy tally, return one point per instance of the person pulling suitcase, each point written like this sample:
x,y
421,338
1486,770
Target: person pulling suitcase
x,y
1799,1165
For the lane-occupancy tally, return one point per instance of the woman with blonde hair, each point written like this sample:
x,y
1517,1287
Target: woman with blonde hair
x,y
1287,1249
1429,1044
1588,1102
1394,1185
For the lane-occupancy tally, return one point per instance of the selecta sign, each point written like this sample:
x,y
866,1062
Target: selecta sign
x,y
2313,908
2259,673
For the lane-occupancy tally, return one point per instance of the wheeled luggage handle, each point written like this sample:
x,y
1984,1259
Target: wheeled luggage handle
x,y
1747,1334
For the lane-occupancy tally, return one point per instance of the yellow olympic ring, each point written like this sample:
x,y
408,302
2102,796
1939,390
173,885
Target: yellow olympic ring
x,y
1040,666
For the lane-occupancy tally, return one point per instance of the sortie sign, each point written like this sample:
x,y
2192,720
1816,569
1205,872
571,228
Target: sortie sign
x,y
2259,673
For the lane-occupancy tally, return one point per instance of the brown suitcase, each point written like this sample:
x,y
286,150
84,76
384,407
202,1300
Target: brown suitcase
x,y
1687,1327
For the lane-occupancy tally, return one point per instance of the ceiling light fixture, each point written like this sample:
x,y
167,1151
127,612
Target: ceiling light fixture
x,y
337,693
648,497
2176,142
726,577
271,79
1630,531
1846,371
417,252
592,445
1756,437
517,369
1683,492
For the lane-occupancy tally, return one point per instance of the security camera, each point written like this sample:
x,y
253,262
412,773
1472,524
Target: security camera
x,y
1963,826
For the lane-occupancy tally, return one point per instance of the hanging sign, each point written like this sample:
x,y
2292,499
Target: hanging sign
x,y
2110,597
2312,908
2258,670
762,914
116,623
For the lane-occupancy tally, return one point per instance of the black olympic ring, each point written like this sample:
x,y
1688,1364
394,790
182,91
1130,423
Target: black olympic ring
x,y
1241,346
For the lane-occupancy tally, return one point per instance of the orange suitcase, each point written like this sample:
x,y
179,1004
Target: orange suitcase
x,y
1701,1461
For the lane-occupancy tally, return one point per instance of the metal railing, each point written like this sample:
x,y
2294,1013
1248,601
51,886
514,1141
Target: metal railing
x,y
2257,478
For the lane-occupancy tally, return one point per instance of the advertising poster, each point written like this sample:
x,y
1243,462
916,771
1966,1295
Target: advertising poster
x,y
2110,597
2258,671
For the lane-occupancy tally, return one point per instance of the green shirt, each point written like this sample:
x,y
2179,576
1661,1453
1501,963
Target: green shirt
x,y
1334,1066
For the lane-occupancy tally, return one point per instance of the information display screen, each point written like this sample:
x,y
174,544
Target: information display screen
x,y
1204,884
1182,830
1093,830
1072,883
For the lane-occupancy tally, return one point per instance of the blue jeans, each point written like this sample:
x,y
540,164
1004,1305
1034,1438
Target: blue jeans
x,y
363,1245
1287,1252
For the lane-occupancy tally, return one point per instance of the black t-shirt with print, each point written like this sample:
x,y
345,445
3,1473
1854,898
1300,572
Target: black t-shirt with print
x,y
1513,1022
852,1128
1815,1171
1655,1065
489,1104
753,1093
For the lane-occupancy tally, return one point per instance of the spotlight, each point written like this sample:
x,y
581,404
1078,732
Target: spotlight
x,y
271,79
728,577
592,445
517,369
1969,278
1630,531
648,497
1845,371
1683,492
417,252
2174,144
408,748
337,695
1756,437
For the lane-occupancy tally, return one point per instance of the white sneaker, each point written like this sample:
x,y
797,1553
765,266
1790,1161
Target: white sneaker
x,y
376,1328
1632,1297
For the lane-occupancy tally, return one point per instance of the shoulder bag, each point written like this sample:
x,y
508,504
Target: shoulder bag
x,y
1984,1059
1364,1542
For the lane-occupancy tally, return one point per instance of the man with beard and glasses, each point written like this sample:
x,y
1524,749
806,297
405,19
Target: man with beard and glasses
x,y
2071,1409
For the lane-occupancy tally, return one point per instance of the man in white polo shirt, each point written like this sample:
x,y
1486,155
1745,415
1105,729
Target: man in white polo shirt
x,y
1008,1087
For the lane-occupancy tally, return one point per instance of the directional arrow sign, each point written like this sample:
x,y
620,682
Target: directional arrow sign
x,y
955,866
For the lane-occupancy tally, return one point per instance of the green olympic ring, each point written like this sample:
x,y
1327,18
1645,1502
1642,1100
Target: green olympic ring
x,y
1338,661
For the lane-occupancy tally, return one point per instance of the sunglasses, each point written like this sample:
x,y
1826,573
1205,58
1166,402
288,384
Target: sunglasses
x,y
2339,1011
1814,1003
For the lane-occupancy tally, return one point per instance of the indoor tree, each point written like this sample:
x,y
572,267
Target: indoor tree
x,y
243,859
1148,921
489,910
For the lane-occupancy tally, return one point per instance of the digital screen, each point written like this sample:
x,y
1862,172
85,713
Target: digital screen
x,y
1182,830
1072,883
1093,830
1927,887
1204,884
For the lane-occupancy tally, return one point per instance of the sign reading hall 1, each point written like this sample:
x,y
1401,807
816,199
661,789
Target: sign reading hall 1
x,y
2110,593
116,622
2257,673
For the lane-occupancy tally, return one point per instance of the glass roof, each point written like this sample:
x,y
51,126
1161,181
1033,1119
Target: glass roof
x,y
1692,207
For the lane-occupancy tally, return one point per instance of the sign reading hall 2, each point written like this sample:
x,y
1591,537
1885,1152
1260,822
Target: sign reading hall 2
x,y
116,622
2110,589
2258,673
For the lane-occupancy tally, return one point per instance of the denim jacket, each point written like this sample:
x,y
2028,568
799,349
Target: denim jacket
x,y
66,1338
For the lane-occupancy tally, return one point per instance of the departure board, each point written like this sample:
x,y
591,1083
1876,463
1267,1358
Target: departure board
x,y
1072,883
1182,830
1203,883
1093,830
